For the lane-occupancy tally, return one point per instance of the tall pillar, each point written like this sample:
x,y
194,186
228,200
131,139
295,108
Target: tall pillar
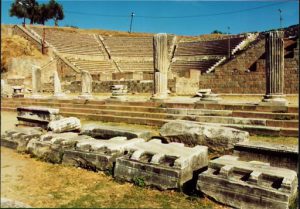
x,y
274,68
57,86
86,85
161,65
36,82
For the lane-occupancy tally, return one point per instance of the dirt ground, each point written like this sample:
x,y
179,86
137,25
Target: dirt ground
x,y
41,184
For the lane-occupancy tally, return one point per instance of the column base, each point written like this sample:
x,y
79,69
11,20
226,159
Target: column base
x,y
85,96
159,97
36,96
117,98
59,95
210,98
274,100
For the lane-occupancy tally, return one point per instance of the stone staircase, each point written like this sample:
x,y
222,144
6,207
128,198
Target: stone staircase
x,y
261,120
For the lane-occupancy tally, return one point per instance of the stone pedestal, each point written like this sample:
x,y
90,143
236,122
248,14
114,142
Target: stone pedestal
x,y
161,65
274,69
119,93
17,92
206,96
86,85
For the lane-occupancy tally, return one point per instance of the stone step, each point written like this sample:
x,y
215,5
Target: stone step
x,y
124,111
252,129
267,115
235,107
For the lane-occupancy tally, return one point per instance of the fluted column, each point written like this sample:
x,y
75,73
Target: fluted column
x,y
274,68
161,65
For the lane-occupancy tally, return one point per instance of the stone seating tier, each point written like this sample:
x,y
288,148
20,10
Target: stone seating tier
x,y
92,65
182,65
216,47
71,43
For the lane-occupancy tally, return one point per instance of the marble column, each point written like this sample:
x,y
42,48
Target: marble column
x,y
57,85
36,82
86,85
161,65
274,68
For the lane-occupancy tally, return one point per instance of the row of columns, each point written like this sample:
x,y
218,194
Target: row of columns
x,y
274,51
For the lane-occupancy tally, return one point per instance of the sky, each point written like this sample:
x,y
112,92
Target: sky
x,y
174,17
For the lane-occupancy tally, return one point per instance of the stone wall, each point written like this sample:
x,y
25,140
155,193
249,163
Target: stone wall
x,y
19,32
245,74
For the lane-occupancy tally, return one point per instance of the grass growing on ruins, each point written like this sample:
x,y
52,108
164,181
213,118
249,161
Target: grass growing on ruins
x,y
49,185
276,139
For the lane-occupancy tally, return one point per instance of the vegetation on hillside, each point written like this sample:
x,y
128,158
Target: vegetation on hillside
x,y
37,13
15,46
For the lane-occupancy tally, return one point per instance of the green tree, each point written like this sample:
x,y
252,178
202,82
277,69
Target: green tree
x,y
42,14
217,32
18,10
56,11
24,9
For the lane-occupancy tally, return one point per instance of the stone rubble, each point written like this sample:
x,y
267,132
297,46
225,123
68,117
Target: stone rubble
x,y
217,138
65,125
165,166
253,184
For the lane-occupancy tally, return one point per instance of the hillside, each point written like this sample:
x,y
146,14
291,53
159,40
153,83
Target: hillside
x,y
16,46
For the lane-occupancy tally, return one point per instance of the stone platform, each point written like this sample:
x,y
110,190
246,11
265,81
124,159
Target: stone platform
x,y
98,154
250,185
36,116
277,155
165,166
19,137
107,132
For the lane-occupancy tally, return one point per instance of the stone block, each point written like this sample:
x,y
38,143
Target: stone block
x,y
50,147
65,125
96,154
253,184
165,166
18,138
107,132
36,116
277,155
217,138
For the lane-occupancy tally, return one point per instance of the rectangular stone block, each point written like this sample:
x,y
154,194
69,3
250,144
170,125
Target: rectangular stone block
x,y
276,154
107,132
250,184
36,116
50,147
96,154
18,138
165,166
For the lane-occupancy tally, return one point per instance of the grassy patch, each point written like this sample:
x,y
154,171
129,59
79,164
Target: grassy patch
x,y
276,139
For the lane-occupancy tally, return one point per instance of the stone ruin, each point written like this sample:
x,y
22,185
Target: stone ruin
x,y
252,184
57,86
207,96
118,93
18,92
86,85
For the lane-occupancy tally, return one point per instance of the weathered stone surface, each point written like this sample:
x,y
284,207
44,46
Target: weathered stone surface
x,y
18,138
278,155
36,82
118,92
36,116
217,138
166,166
107,132
65,125
50,147
57,86
8,203
244,184
86,85
98,154
17,91
161,65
